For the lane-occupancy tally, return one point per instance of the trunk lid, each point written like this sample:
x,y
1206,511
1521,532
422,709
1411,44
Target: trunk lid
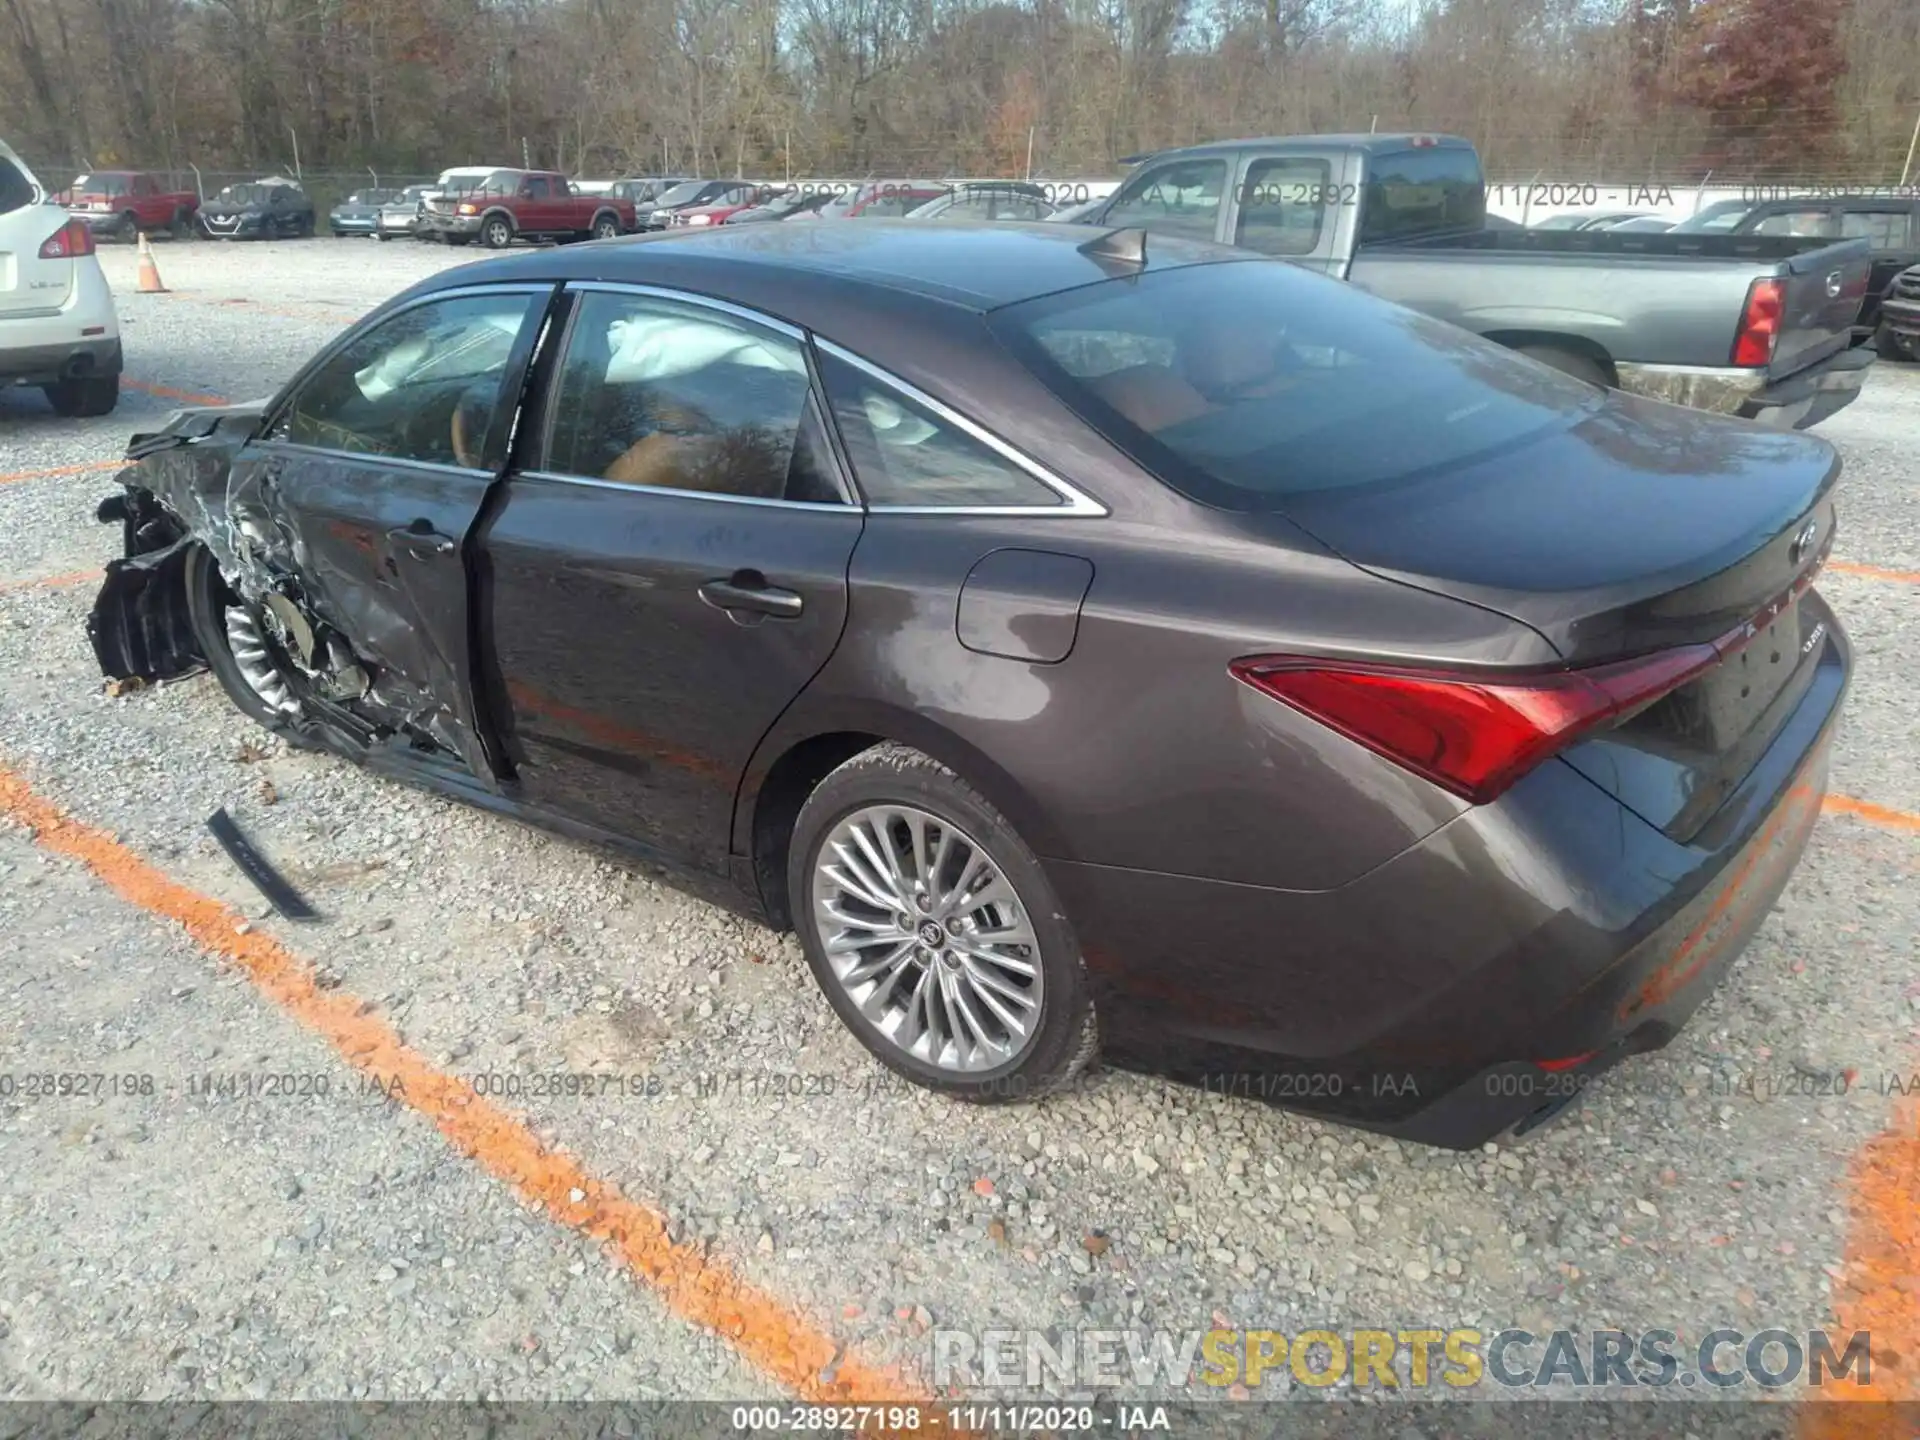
x,y
1824,290
29,284
1635,527
1639,527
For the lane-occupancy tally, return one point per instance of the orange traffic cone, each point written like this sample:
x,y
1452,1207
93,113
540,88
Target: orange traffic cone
x,y
149,272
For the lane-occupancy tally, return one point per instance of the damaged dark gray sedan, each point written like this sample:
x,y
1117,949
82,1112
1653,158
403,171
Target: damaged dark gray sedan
x,y
1089,644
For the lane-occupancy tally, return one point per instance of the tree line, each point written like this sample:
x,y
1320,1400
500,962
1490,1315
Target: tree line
x,y
1621,90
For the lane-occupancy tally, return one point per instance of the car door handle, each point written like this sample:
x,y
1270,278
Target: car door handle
x,y
421,536
748,591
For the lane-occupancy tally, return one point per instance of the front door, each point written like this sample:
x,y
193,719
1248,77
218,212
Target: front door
x,y
372,473
666,571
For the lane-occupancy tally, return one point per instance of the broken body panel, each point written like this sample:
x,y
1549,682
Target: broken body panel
x,y
378,643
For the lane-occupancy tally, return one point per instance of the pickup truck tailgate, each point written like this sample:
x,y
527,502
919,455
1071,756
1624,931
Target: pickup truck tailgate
x,y
1824,289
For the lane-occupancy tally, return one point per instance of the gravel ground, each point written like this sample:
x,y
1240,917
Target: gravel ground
x,y
172,1244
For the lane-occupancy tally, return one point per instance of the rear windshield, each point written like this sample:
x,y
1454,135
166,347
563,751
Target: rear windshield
x,y
1416,192
1242,383
100,185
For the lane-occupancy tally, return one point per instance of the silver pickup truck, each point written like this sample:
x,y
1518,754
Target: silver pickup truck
x,y
1752,325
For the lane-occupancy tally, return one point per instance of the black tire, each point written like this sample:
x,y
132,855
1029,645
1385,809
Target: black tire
x,y
129,227
89,397
382,237
179,227
496,232
1891,346
605,227
1568,362
1066,1038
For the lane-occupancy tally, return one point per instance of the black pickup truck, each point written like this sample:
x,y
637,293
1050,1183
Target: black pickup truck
x,y
1752,325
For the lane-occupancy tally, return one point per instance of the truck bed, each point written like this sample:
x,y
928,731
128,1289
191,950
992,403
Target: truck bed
x,y
1643,299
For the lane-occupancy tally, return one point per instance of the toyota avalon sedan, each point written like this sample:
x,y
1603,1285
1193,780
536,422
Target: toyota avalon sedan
x,y
1091,644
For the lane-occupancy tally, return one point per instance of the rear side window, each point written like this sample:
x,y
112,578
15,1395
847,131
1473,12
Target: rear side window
x,y
1417,192
1886,229
906,454
16,191
1243,383
1178,199
1282,204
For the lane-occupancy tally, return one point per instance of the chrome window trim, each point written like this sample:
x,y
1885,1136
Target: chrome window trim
x,y
849,503
686,297
369,457
601,483
1075,501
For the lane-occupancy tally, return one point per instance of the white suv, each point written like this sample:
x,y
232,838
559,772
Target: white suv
x,y
58,329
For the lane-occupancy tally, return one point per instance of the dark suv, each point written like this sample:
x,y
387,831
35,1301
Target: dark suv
x,y
1891,223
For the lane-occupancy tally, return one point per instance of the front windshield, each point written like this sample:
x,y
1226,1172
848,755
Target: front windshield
x,y
1243,384
1717,219
243,195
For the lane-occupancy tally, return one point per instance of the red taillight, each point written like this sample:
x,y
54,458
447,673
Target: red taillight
x,y
69,241
1555,1066
1473,734
1760,325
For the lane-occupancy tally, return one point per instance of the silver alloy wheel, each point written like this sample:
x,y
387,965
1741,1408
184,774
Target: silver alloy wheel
x,y
928,938
257,663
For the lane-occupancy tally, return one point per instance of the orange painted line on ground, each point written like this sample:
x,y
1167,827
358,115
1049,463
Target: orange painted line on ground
x,y
60,470
1873,572
1873,814
167,392
773,1336
49,582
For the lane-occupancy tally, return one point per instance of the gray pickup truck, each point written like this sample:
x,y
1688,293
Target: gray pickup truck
x,y
1752,325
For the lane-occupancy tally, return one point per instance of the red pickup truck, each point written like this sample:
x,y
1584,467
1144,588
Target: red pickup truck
x,y
526,205
123,203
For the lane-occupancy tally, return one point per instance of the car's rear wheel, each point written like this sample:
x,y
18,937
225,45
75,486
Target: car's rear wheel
x,y
496,233
91,395
1568,362
934,932
180,227
605,227
128,226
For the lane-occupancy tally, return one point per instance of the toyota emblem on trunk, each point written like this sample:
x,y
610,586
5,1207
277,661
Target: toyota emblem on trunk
x,y
1803,542
1833,285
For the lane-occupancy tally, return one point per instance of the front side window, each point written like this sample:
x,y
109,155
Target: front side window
x,y
1282,205
675,396
1178,199
536,188
906,454
1804,223
426,384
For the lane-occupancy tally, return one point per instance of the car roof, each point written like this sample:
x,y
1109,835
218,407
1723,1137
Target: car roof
x,y
977,267
1369,143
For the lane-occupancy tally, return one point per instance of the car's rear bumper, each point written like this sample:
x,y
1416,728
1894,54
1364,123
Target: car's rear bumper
x,y
1419,1000
1794,403
79,339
